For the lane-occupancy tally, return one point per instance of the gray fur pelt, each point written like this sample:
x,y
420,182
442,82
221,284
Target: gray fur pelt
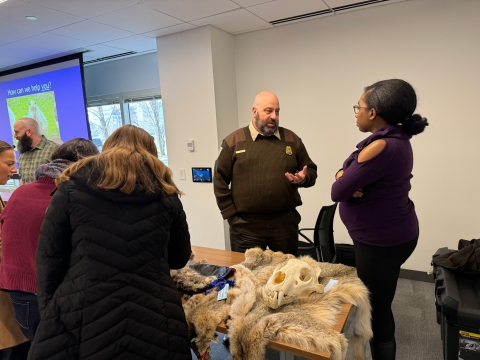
x,y
251,324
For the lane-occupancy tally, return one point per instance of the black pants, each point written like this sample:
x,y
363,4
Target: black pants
x,y
379,267
279,231
19,352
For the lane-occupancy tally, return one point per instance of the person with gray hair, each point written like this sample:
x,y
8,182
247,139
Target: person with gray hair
x,y
35,149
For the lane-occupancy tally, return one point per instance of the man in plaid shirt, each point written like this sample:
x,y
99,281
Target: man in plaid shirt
x,y
35,149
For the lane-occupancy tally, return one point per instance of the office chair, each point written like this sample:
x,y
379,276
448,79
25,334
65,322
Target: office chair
x,y
322,247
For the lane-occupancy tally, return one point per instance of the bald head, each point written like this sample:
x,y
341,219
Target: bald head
x,y
265,113
27,132
29,123
265,96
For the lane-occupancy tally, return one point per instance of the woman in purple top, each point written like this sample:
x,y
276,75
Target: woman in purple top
x,y
372,188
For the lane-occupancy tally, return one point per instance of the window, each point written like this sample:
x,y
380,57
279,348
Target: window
x,y
10,185
103,119
143,109
148,114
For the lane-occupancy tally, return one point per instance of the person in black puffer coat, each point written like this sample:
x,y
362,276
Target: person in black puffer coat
x,y
113,231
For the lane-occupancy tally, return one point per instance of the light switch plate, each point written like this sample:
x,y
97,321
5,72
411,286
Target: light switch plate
x,y
190,145
181,173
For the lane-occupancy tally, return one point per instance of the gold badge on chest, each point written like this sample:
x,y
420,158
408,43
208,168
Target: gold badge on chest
x,y
288,150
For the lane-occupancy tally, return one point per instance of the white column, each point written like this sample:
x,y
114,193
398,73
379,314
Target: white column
x,y
197,78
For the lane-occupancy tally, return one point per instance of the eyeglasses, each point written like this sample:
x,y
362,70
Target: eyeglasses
x,y
357,108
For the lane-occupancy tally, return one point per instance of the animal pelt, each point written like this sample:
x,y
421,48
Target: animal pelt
x,y
251,324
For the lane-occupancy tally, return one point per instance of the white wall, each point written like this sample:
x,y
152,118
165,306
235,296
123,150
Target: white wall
x,y
318,69
223,61
123,75
195,99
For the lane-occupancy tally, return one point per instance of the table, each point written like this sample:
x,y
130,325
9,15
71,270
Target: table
x,y
228,258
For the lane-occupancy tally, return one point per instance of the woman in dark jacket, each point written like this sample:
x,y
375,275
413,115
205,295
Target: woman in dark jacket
x,y
113,231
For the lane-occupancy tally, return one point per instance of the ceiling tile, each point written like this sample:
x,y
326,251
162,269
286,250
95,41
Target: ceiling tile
x,y
188,10
335,3
233,21
25,52
88,58
54,42
281,9
269,26
12,63
137,43
247,3
92,31
169,30
99,51
47,19
138,19
8,59
86,8
10,33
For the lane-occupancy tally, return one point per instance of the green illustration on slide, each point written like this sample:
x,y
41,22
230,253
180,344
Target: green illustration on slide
x,y
41,107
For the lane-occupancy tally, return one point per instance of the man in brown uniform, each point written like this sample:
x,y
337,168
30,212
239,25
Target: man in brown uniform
x,y
257,175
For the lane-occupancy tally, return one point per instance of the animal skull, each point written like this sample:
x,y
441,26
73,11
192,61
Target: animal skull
x,y
295,280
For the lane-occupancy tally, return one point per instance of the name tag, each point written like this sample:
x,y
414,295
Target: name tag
x,y
240,151
331,283
222,294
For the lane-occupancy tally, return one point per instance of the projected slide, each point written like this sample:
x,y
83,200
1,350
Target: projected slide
x,y
53,95
40,107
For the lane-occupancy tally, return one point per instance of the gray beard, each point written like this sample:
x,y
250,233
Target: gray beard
x,y
264,130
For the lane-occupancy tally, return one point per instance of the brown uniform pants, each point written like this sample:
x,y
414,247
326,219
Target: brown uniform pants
x,y
278,232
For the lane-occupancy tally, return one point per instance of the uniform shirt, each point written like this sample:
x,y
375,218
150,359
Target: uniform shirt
x,y
30,160
249,176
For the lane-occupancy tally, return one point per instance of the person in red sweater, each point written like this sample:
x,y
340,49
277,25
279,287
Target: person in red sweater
x,y
20,227
13,344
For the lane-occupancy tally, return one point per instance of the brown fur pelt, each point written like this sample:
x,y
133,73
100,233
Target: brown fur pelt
x,y
251,324
187,279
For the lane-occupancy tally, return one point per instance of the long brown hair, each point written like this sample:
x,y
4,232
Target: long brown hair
x,y
4,146
129,158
